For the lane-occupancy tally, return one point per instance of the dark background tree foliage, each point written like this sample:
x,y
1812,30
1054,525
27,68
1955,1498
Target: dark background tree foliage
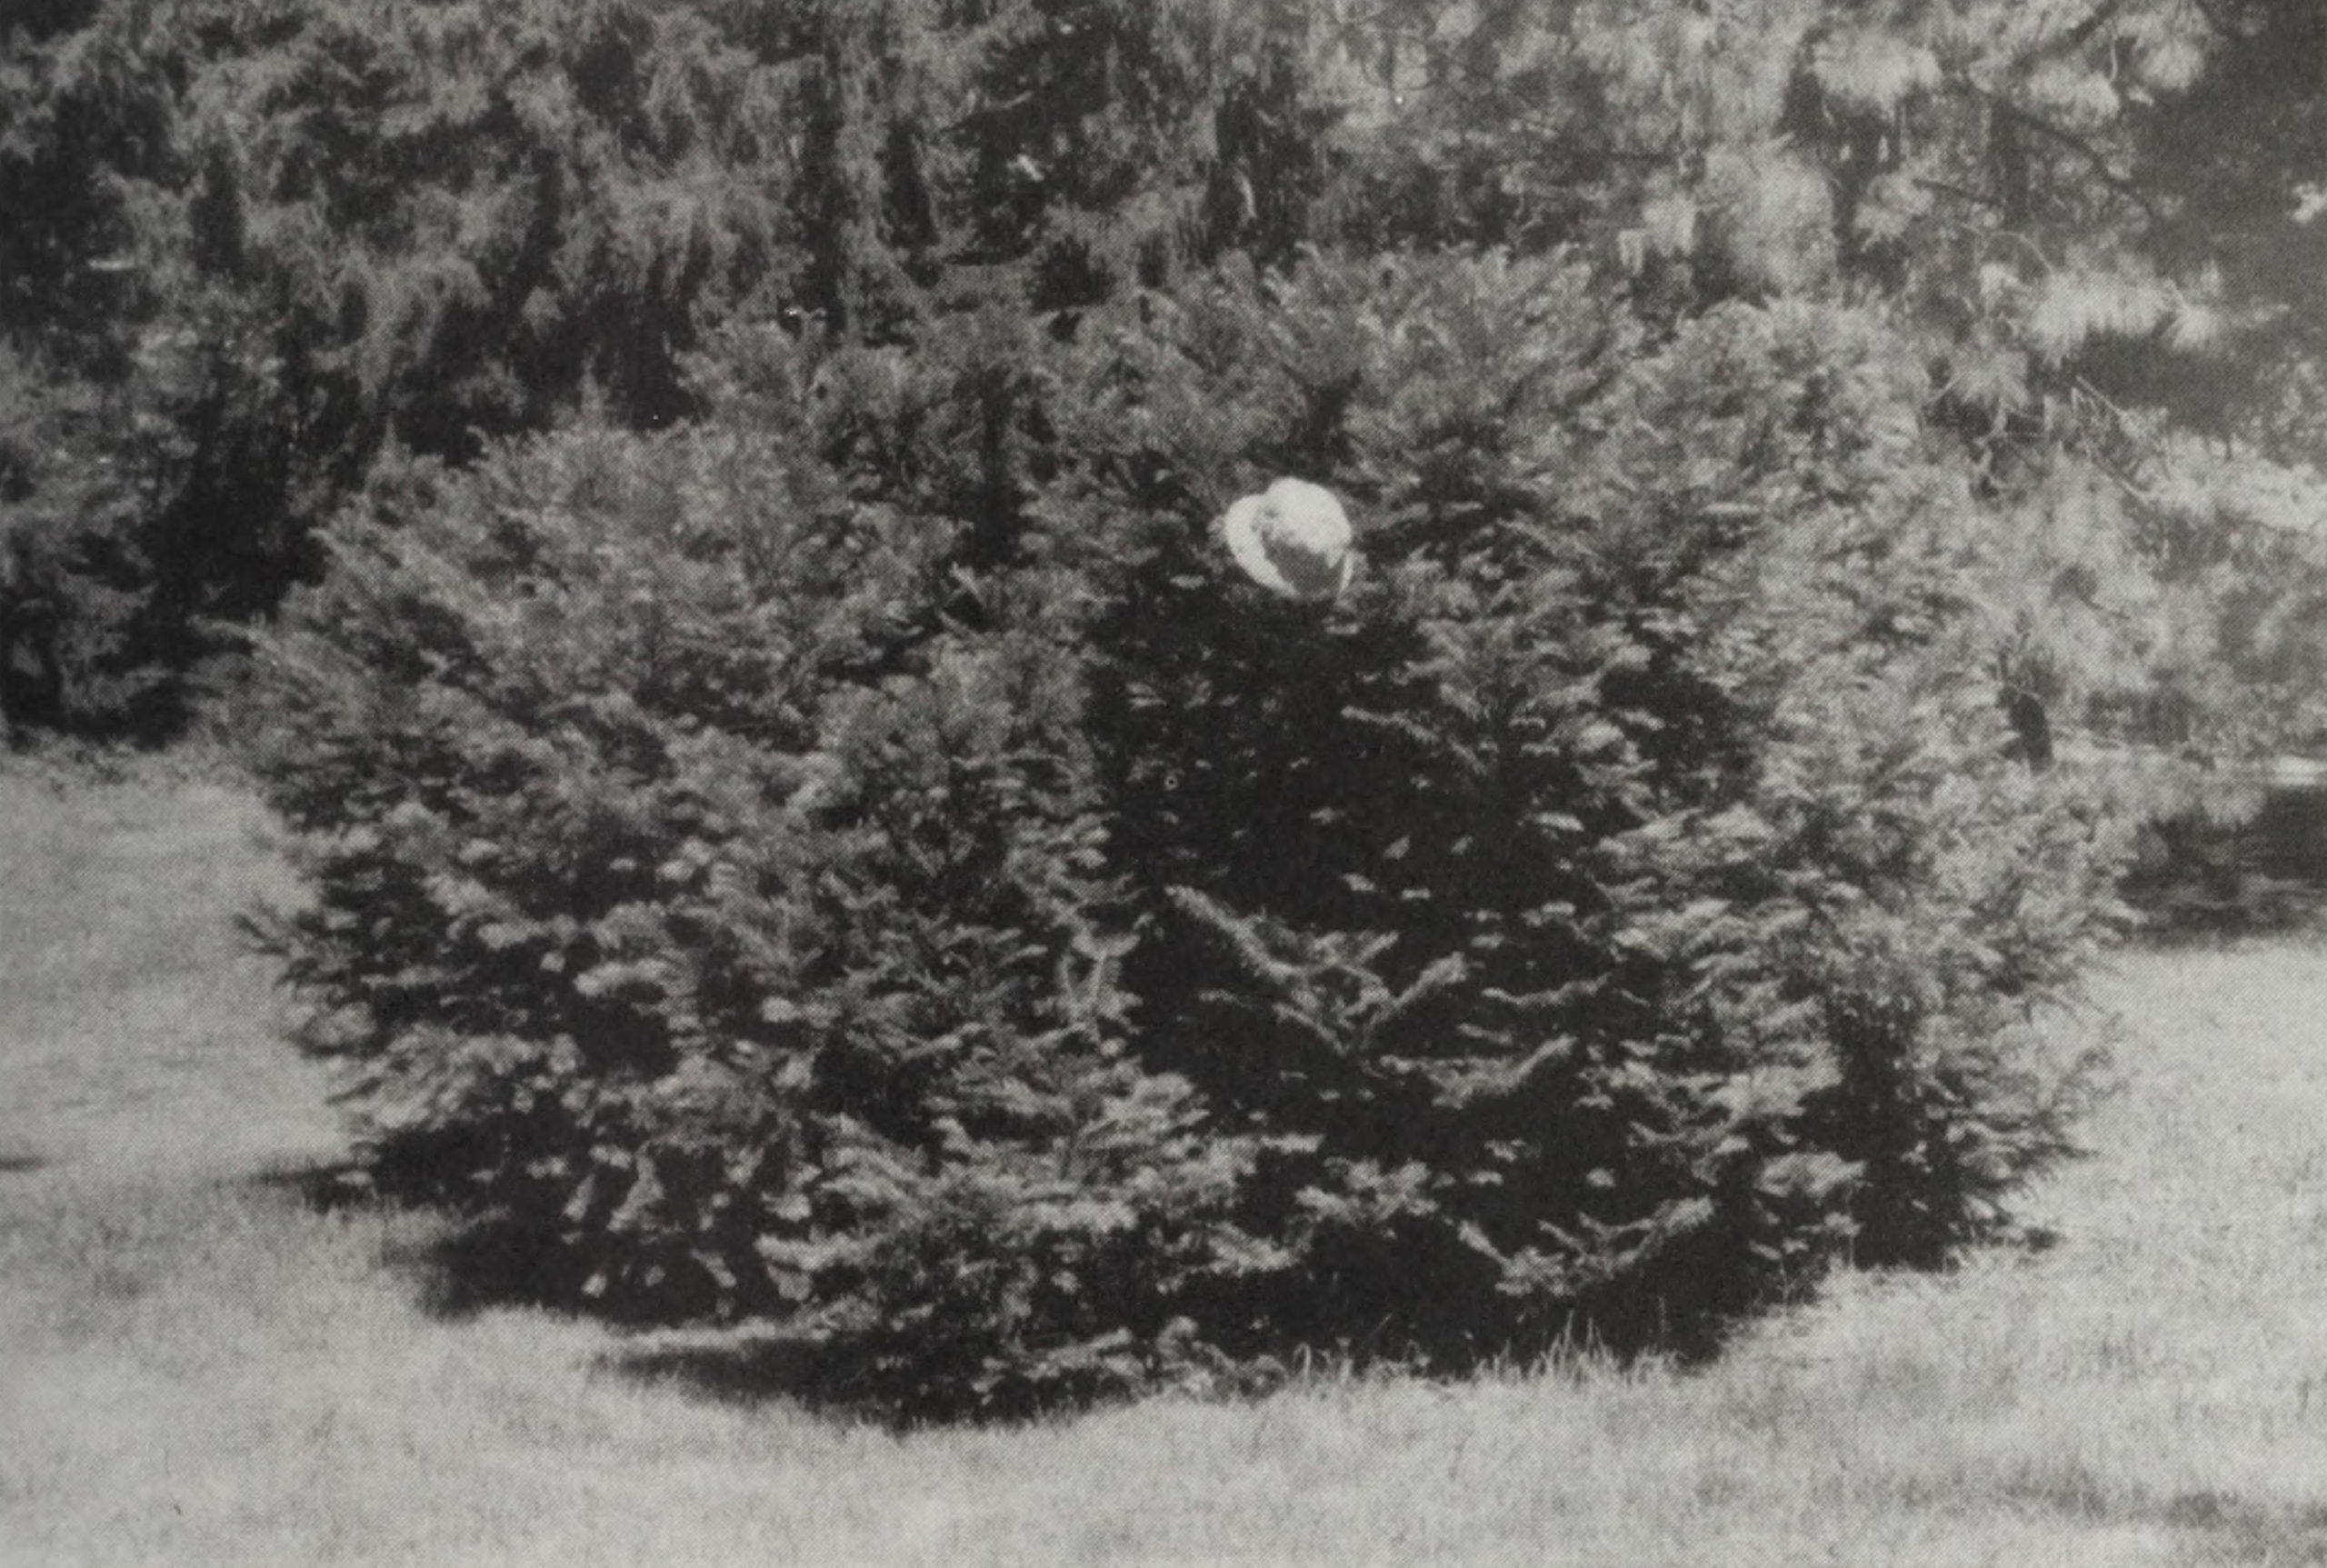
x,y
287,235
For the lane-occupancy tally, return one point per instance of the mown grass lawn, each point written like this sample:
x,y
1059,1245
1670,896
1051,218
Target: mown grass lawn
x,y
197,1366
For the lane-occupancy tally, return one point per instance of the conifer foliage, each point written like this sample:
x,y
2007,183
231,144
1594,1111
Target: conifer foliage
x,y
1039,960
1625,894
703,905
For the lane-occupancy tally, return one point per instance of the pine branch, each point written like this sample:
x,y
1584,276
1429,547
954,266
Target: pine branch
x,y
2094,158
2102,14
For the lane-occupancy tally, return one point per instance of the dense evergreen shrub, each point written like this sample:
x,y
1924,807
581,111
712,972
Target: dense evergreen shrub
x,y
1627,892
871,860
697,898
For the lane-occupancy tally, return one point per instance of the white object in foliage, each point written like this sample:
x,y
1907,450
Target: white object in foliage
x,y
1293,539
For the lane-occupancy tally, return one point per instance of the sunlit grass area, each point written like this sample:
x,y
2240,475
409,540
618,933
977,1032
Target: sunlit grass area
x,y
199,1366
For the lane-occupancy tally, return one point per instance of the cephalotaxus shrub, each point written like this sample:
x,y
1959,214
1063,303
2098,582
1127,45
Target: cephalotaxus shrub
x,y
875,861
700,897
1622,900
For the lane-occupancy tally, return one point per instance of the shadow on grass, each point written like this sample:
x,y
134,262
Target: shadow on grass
x,y
744,1368
2207,1527
324,1189
459,1268
2217,1528
471,1267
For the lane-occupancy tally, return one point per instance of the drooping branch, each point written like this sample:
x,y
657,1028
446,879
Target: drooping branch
x,y
2102,14
2093,157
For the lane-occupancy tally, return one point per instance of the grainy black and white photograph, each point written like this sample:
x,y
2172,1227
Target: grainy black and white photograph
x,y
1339,783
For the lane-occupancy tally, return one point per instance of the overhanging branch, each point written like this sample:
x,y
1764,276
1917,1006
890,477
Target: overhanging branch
x,y
2093,156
